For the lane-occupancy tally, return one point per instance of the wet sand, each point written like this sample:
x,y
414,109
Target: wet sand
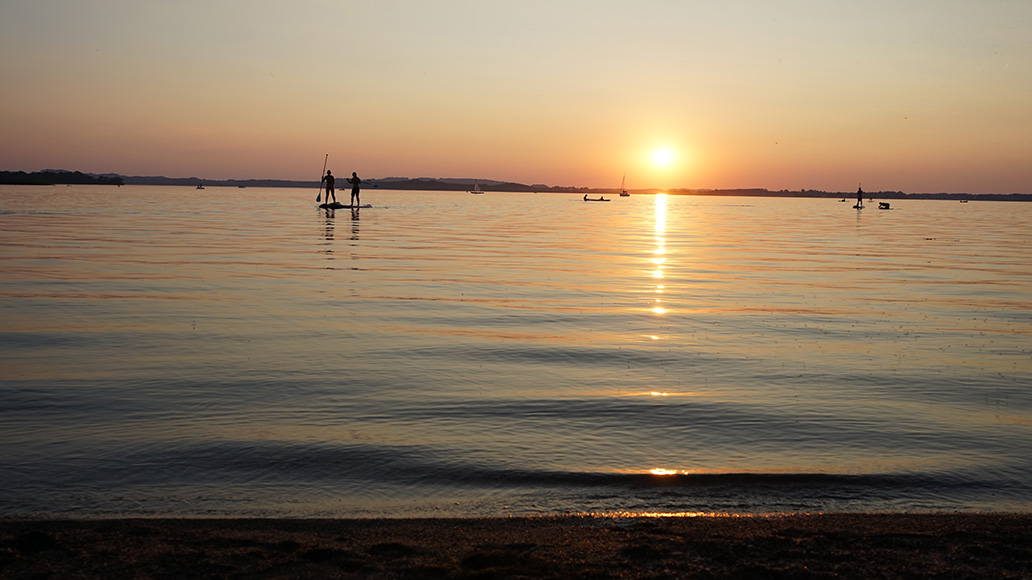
x,y
806,546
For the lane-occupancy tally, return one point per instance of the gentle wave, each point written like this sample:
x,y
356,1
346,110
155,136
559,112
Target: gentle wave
x,y
362,479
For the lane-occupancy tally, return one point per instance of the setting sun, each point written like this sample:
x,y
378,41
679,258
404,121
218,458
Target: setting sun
x,y
663,157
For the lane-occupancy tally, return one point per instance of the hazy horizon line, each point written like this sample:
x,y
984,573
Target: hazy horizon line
x,y
496,182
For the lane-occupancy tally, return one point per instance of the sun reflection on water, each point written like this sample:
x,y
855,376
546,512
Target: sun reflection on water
x,y
661,201
662,471
648,514
659,252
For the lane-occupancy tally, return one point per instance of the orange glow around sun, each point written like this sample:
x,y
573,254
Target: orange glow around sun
x,y
663,157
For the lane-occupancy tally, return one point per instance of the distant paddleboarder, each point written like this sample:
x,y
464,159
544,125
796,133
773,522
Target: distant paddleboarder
x,y
355,183
330,180
859,197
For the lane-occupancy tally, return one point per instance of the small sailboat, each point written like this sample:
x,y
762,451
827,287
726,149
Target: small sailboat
x,y
476,188
623,187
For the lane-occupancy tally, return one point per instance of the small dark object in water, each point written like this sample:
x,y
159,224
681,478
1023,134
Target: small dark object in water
x,y
883,205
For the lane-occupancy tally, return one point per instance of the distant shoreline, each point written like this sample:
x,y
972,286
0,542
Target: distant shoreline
x,y
54,177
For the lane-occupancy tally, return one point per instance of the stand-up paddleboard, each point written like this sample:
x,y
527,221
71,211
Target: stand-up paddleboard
x,y
338,205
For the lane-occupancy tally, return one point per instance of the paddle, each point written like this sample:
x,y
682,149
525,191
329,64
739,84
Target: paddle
x,y
318,198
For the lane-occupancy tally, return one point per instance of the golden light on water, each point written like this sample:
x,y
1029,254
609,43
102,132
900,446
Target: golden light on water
x,y
668,394
659,514
661,205
660,249
662,471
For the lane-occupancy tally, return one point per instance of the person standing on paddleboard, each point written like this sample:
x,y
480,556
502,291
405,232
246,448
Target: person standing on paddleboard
x,y
330,180
355,183
859,197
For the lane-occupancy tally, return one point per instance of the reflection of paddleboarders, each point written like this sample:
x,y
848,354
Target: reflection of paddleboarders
x,y
329,179
355,183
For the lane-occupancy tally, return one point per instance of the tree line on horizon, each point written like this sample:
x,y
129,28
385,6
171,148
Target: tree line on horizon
x,y
49,177
61,177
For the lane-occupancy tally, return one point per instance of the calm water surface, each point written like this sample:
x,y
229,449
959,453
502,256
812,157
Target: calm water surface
x,y
225,352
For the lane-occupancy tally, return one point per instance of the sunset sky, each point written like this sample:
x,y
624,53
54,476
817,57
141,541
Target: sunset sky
x,y
911,95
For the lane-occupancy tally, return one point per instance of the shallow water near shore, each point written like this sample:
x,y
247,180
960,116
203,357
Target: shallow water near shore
x,y
169,351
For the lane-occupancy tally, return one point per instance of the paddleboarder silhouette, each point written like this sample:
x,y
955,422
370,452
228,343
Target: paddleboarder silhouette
x,y
330,180
355,183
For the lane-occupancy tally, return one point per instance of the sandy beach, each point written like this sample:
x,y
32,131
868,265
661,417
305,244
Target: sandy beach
x,y
797,546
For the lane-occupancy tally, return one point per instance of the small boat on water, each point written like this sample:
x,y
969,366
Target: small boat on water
x,y
476,188
586,198
623,187
199,186
884,205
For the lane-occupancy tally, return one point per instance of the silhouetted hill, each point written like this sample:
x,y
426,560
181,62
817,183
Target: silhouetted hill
x,y
882,195
195,181
57,177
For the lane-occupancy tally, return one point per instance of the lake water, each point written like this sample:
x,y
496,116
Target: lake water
x,y
231,352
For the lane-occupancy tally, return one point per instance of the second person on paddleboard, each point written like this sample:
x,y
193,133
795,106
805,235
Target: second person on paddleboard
x,y
355,183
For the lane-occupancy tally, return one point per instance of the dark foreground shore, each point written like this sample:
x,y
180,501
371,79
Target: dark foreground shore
x,y
814,546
